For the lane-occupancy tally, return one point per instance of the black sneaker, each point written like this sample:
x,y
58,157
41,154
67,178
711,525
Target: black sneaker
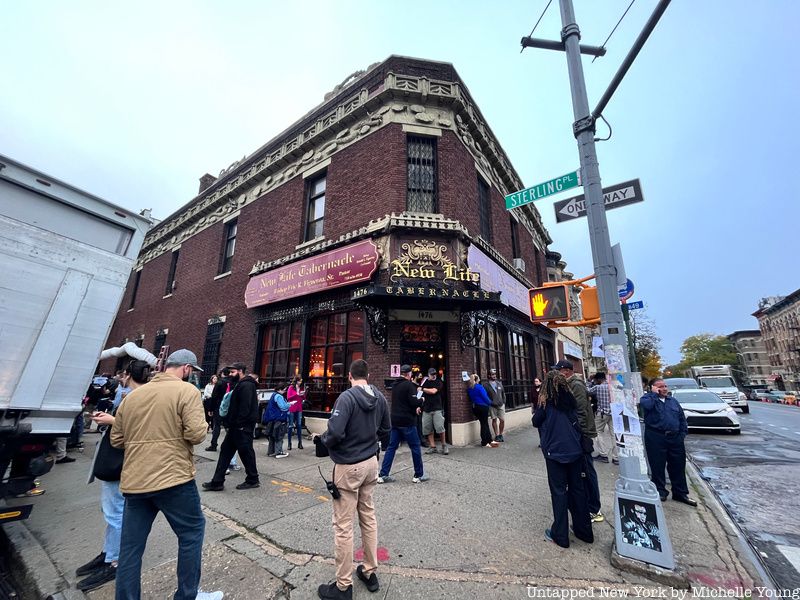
x,y
104,574
213,486
371,582
97,562
331,591
247,486
66,459
211,449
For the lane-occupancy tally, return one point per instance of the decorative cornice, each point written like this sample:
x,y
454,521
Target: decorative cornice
x,y
401,98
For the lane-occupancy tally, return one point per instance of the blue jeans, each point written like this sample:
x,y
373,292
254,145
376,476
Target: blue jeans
x,y
113,503
411,437
296,420
181,507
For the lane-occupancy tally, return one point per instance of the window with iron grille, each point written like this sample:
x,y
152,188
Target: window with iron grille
x,y
135,290
211,350
161,339
514,237
335,341
228,246
422,193
315,209
171,277
485,209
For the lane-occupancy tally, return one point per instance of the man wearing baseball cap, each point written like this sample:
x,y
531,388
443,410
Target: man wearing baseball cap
x,y
405,408
158,424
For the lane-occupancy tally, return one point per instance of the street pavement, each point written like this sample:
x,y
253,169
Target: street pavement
x,y
475,529
756,475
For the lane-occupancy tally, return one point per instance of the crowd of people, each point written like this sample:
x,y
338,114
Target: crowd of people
x,y
145,464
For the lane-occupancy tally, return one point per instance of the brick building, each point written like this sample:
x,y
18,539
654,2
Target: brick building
x,y
373,227
779,321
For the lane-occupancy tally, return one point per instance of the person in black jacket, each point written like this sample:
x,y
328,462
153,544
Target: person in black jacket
x,y
359,419
556,418
212,407
405,408
241,423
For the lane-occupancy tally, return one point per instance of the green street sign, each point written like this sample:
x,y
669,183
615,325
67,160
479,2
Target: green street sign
x,y
548,188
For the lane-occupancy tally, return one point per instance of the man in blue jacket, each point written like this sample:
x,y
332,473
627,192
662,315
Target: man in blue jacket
x,y
359,419
665,430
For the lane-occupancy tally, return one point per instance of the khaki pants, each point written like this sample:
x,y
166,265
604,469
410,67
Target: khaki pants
x,y
356,484
606,442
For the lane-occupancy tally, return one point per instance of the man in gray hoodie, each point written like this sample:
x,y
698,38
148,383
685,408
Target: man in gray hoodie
x,y
359,419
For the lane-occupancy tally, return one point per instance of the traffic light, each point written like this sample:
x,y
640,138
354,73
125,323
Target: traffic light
x,y
549,304
590,307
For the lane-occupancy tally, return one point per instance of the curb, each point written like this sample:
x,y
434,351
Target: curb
x,y
39,574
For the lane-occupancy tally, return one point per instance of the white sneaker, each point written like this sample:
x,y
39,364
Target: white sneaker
x,y
227,471
236,467
210,596
281,455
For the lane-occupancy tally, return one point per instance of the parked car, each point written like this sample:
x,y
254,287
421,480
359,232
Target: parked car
x,y
682,383
764,396
782,397
705,410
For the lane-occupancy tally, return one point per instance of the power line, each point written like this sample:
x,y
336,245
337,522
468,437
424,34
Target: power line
x,y
539,21
603,45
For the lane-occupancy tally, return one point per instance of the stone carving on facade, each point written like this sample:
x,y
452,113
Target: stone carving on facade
x,y
253,180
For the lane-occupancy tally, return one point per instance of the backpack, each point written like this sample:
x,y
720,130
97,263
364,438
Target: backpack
x,y
225,403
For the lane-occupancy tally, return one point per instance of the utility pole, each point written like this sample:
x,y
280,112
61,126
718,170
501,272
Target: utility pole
x,y
634,485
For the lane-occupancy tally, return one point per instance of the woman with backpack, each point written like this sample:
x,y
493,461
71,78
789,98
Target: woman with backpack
x,y
107,467
275,418
556,418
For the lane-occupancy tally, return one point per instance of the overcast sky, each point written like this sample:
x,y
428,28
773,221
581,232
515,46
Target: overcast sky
x,y
134,102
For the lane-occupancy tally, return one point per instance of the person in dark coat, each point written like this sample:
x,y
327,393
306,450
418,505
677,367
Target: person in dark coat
x,y
556,418
222,386
665,428
405,408
241,423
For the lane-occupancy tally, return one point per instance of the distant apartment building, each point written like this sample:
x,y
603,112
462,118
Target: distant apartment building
x,y
779,321
752,354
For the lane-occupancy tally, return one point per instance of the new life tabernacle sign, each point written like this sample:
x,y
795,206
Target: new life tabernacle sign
x,y
343,266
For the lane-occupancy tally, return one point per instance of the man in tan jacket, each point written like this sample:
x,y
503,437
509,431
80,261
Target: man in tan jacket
x,y
158,424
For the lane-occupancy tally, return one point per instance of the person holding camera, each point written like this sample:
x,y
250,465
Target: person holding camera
x,y
360,417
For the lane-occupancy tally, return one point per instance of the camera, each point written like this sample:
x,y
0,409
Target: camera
x,y
334,491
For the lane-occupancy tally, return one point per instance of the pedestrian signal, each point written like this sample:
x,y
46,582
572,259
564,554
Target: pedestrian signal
x,y
549,304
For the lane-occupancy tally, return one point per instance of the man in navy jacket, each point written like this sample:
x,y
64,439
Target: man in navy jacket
x,y
665,430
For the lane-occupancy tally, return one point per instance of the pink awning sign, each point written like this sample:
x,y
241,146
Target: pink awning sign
x,y
343,266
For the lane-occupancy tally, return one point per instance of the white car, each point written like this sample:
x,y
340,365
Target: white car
x,y
706,410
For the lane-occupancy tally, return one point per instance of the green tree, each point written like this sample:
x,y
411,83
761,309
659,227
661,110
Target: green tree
x,y
704,349
646,343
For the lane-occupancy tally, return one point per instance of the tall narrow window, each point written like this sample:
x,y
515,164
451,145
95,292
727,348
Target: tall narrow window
x,y
485,210
171,277
136,279
422,179
514,237
211,348
228,246
316,208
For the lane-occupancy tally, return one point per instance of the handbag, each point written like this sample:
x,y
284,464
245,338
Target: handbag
x,y
108,460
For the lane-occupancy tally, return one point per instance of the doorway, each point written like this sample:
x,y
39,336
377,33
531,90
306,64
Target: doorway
x,y
423,346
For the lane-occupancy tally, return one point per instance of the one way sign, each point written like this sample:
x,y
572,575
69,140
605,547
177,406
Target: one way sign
x,y
614,196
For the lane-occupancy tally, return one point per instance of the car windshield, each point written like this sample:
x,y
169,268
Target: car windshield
x,y
681,384
697,397
717,382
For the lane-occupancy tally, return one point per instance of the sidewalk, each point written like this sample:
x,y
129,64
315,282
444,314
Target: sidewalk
x,y
475,529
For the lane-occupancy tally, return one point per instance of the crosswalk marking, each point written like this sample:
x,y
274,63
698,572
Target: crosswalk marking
x,y
792,554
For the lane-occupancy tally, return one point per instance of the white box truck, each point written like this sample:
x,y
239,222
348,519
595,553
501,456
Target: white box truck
x,y
719,379
65,259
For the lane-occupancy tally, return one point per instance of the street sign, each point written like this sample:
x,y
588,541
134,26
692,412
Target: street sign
x,y
614,196
625,291
549,304
548,188
635,305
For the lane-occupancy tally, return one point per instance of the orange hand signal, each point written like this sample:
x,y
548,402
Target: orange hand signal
x,y
539,304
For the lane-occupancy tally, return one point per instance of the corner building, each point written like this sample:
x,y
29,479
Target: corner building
x,y
375,227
